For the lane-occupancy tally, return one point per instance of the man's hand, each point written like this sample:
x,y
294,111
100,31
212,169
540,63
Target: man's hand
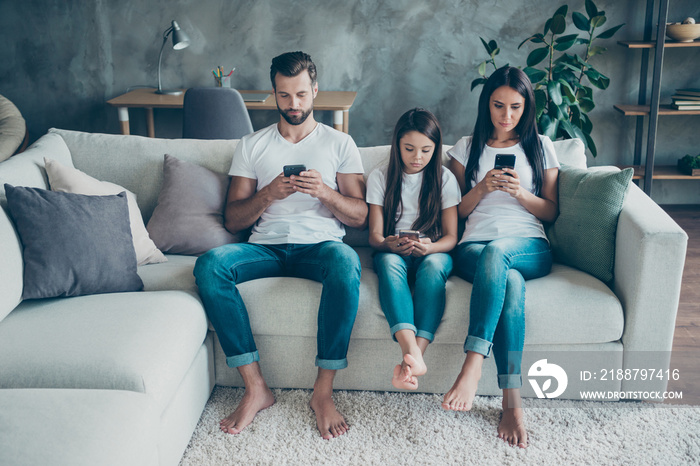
x,y
280,188
309,182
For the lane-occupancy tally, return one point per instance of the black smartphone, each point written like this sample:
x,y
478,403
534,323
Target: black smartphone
x,y
505,161
290,170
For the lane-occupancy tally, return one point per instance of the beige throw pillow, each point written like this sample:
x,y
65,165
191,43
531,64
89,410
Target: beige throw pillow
x,y
71,180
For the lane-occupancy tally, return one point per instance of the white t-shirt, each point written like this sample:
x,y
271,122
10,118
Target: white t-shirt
x,y
498,214
299,218
410,193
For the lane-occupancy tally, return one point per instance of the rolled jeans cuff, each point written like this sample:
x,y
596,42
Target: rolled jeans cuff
x,y
478,345
402,326
510,381
242,359
427,335
331,364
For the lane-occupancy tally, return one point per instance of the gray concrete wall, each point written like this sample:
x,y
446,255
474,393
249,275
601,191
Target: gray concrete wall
x,y
62,60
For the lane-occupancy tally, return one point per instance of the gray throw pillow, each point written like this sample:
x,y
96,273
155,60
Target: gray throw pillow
x,y
73,244
189,217
590,202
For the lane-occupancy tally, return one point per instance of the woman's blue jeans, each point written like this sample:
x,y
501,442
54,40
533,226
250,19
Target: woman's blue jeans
x,y
423,311
498,270
334,264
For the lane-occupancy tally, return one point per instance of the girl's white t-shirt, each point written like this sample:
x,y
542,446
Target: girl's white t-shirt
x,y
498,214
410,194
299,218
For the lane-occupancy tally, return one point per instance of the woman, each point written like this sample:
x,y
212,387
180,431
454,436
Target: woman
x,y
504,242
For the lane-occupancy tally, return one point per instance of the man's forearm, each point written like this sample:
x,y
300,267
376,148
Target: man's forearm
x,y
350,211
242,214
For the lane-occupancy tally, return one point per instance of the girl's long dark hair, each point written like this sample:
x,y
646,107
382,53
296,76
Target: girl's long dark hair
x,y
430,200
526,128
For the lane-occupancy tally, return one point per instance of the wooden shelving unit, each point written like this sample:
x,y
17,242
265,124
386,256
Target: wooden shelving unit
x,y
652,109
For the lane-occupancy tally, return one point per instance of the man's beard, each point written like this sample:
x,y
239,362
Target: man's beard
x,y
297,119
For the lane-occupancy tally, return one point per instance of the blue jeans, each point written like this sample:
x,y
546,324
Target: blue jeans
x,y
422,312
332,263
498,270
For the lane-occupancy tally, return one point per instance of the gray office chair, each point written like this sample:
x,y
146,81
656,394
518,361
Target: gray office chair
x,y
214,113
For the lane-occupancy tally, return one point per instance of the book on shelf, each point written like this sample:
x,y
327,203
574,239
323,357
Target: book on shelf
x,y
689,91
685,99
687,107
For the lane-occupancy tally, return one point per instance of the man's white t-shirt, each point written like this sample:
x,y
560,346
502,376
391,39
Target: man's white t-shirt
x,y
410,194
498,214
299,218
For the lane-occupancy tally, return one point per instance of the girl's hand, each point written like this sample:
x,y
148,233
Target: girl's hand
x,y
400,246
509,183
422,248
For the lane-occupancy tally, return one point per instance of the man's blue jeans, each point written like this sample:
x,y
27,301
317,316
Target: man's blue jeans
x,y
498,270
334,264
423,311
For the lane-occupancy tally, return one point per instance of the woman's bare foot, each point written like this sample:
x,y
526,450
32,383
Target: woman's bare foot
x,y
412,364
463,391
512,427
403,378
254,401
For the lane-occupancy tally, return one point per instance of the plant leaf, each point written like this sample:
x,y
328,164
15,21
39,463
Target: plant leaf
x,y
591,145
534,74
558,24
595,50
607,34
562,10
532,38
591,9
537,55
546,26
567,38
580,21
486,46
598,21
586,105
482,68
564,45
478,82
568,92
540,101
554,90
549,127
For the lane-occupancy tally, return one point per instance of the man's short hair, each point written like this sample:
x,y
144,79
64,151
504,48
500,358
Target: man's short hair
x,y
290,64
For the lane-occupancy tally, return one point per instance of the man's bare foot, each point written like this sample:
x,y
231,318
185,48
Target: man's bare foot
x,y
462,393
253,402
330,422
512,427
403,378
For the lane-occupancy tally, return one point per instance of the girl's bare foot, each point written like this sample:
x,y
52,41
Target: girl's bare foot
x,y
403,378
512,427
462,393
254,401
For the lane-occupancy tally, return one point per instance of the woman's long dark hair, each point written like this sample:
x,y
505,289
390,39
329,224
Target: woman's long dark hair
x,y
526,128
430,200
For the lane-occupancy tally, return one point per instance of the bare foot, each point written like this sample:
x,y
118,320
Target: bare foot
x,y
403,378
415,363
253,402
462,393
512,428
329,421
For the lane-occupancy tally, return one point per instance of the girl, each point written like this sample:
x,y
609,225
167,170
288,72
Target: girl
x,y
413,192
504,242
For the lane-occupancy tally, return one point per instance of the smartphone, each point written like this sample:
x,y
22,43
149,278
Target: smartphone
x,y
505,161
411,234
290,170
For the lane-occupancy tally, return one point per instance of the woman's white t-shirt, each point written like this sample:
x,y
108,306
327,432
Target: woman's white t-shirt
x,y
298,218
410,194
498,214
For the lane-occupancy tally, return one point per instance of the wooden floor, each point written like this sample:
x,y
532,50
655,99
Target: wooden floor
x,y
686,340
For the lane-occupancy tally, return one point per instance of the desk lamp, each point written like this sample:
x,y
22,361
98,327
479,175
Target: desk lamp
x,y
180,41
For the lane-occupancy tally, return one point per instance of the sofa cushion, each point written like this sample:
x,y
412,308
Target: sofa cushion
x,y
142,342
71,180
175,274
73,244
12,128
189,217
590,202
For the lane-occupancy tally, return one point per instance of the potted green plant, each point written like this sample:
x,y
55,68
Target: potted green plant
x,y
690,165
563,82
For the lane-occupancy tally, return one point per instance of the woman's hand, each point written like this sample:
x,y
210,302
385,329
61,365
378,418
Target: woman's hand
x,y
422,248
507,180
400,246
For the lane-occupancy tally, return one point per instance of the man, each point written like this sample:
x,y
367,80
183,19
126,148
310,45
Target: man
x,y
297,229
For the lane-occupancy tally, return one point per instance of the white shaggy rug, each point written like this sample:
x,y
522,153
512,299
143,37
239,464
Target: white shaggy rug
x,y
411,428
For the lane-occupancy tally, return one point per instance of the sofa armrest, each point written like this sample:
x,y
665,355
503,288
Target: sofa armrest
x,y
649,257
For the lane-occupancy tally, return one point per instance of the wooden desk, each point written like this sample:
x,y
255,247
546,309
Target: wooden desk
x,y
339,102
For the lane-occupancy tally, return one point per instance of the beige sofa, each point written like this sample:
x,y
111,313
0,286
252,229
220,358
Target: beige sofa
x,y
122,378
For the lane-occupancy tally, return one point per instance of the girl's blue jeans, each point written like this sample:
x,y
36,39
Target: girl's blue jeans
x,y
498,270
422,311
332,263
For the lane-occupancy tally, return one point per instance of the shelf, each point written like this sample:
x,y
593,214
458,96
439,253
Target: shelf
x,y
641,110
661,172
642,44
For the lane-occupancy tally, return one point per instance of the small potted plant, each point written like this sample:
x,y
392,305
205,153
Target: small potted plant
x,y
690,165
